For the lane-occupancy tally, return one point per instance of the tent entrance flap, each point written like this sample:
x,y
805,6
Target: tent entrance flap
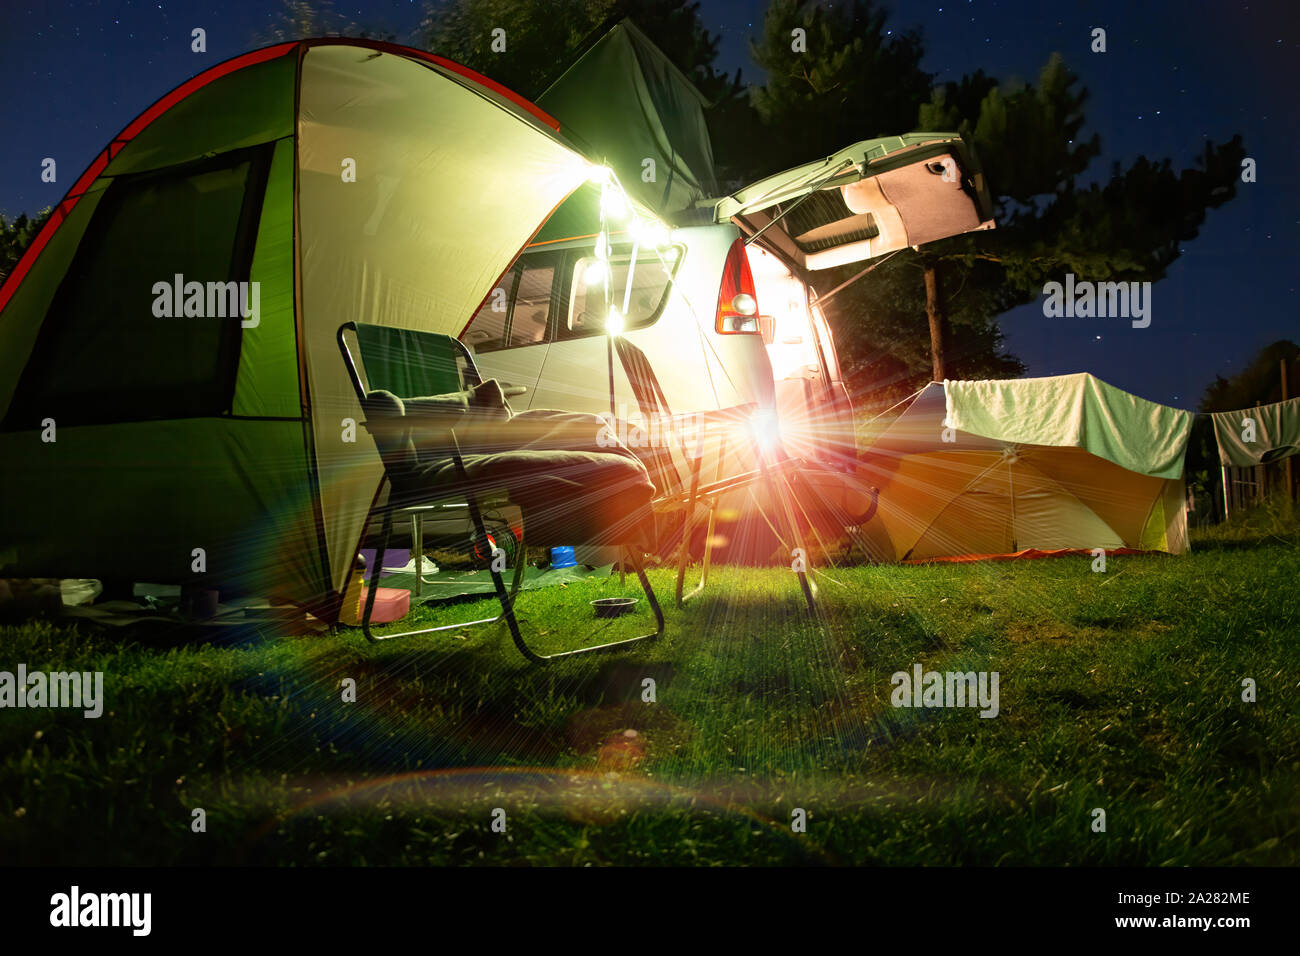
x,y
451,186
871,198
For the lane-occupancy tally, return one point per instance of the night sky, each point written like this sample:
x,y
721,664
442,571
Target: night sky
x,y
73,74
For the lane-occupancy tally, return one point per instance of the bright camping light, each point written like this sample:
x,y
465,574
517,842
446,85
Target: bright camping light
x,y
765,428
595,273
649,232
600,174
614,322
613,204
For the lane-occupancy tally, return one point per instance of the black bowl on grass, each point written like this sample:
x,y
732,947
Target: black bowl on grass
x,y
613,607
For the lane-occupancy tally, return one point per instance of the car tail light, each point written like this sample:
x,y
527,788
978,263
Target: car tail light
x,y
737,302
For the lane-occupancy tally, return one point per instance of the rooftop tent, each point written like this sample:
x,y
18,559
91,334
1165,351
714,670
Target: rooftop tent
x,y
999,467
865,200
160,422
624,102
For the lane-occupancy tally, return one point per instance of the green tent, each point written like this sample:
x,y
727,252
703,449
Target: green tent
x,y
173,405
625,104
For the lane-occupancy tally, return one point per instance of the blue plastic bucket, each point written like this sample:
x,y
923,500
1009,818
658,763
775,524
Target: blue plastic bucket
x,y
563,557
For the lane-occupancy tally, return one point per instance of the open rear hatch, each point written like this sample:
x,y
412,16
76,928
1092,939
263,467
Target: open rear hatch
x,y
868,199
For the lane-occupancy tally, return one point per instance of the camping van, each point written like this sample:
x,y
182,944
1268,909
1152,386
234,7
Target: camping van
x,y
541,331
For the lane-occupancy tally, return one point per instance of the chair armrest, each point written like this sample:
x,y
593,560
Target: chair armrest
x,y
484,402
434,407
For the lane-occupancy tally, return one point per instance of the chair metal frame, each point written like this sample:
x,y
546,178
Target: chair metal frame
x,y
471,498
773,474
653,404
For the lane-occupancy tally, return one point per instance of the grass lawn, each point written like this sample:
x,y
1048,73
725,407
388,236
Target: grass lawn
x,y
1120,691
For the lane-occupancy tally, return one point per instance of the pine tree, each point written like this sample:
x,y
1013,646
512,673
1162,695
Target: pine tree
x,y
858,78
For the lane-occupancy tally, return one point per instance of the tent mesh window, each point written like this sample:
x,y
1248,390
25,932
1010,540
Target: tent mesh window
x,y
114,347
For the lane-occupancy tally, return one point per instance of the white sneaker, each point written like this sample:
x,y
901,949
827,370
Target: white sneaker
x,y
427,567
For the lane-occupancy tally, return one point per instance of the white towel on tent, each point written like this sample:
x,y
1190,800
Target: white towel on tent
x,y
1077,410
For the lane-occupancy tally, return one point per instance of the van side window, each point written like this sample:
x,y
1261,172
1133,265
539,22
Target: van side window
x,y
640,306
531,308
516,311
487,330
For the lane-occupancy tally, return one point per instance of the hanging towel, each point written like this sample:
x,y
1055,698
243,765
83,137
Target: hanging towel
x,y
1258,436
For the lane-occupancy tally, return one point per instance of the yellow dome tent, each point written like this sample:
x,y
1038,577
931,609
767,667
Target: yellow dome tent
x,y
977,469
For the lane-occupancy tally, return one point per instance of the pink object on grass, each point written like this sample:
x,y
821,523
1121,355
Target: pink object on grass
x,y
391,604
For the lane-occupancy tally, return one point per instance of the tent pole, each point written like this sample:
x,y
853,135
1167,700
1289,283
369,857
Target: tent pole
x,y
609,354
1258,474
1289,484
1011,489
1223,469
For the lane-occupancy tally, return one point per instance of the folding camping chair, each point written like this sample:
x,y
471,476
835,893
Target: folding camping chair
x,y
414,363
688,496
414,398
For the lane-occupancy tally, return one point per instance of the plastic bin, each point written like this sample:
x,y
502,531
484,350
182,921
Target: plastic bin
x,y
391,604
